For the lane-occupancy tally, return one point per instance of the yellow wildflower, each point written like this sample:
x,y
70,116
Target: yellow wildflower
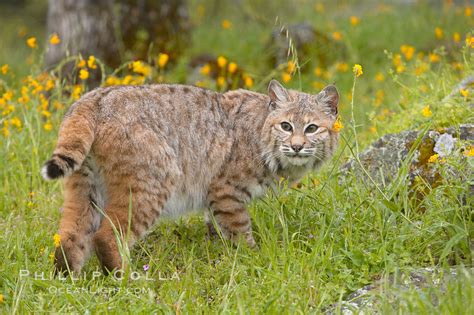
x,y
357,69
221,61
206,69
457,66
49,85
379,97
81,63
4,69
76,92
342,67
426,111
51,257
286,77
163,59
421,68
456,37
54,39
48,126
408,51
379,77
83,74
469,152
248,81
226,24
337,126
43,102
112,80
318,71
220,81
433,158
141,68
31,42
15,121
434,58
470,41
373,130
438,33
291,66
46,113
232,67
91,62
23,99
337,36
127,79
140,80
468,11
57,105
397,60
355,20
37,88
464,92
1,298
57,240
8,95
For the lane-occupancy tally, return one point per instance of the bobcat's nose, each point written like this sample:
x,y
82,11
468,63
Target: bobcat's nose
x,y
297,147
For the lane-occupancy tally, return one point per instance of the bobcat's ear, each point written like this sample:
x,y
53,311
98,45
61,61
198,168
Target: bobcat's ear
x,y
277,93
330,98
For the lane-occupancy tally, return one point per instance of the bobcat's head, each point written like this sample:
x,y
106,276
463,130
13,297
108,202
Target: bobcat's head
x,y
298,130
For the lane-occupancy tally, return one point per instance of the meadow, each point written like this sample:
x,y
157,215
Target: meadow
x,y
394,64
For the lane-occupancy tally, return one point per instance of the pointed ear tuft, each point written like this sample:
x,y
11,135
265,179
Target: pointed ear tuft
x,y
277,92
329,97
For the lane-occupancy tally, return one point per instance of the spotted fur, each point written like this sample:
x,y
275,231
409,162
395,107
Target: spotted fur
x,y
168,149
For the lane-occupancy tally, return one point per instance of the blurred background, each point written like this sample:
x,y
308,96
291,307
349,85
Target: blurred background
x,y
230,44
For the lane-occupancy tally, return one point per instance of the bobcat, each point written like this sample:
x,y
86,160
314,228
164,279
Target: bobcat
x,y
166,149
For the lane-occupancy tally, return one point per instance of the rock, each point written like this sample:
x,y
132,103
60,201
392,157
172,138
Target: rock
x,y
368,298
384,157
444,145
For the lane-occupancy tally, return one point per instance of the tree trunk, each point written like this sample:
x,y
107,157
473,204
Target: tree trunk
x,y
113,29
85,27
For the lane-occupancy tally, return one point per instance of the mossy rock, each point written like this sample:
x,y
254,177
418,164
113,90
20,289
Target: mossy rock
x,y
385,157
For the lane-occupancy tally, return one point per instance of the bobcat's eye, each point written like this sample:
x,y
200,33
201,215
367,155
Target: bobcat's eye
x,y
311,128
286,126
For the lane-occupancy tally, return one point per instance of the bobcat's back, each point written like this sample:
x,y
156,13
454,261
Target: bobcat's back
x,y
178,129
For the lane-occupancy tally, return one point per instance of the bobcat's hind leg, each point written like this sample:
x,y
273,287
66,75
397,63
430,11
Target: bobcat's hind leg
x,y
80,219
125,227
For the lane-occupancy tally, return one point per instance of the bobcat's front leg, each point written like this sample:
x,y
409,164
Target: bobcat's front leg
x,y
227,205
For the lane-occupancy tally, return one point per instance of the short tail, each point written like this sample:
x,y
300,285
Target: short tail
x,y
76,135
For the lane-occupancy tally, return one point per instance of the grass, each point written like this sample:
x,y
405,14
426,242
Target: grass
x,y
317,242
